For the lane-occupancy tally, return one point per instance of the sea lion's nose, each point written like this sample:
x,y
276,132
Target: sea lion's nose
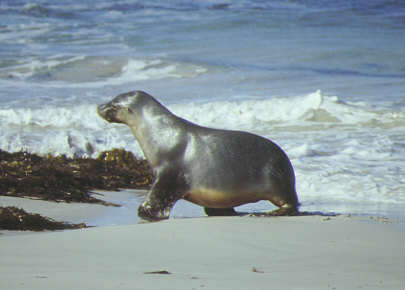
x,y
108,112
101,108
104,111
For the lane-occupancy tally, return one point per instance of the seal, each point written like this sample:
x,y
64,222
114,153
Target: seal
x,y
216,169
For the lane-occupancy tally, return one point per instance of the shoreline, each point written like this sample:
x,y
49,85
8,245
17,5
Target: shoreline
x,y
93,214
96,215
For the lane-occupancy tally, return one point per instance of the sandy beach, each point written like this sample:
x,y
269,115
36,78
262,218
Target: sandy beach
x,y
306,252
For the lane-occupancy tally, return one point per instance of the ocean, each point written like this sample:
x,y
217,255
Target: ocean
x,y
323,79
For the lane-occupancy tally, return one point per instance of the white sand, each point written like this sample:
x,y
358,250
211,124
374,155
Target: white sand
x,y
211,253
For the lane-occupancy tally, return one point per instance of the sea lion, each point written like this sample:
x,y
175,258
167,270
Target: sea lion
x,y
217,169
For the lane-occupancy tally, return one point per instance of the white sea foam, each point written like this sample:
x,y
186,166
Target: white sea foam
x,y
153,69
29,67
51,117
93,71
302,113
309,110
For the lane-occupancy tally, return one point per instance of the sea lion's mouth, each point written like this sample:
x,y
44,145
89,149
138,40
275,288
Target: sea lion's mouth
x,y
108,112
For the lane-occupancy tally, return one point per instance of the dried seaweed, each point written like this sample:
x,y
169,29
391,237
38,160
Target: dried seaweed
x,y
66,179
60,178
12,218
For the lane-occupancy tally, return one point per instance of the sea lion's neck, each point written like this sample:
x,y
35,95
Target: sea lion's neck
x,y
160,135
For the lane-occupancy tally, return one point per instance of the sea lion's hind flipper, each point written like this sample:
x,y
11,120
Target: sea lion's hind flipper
x,y
285,210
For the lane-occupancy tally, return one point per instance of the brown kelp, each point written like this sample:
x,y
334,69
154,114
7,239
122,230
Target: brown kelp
x,y
60,178
12,218
65,179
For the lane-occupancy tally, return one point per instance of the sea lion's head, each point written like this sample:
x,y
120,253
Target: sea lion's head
x,y
129,108
119,109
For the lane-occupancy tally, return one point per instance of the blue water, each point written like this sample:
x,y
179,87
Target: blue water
x,y
346,48
323,79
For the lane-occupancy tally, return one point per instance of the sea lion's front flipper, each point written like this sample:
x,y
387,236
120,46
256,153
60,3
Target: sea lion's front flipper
x,y
168,188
